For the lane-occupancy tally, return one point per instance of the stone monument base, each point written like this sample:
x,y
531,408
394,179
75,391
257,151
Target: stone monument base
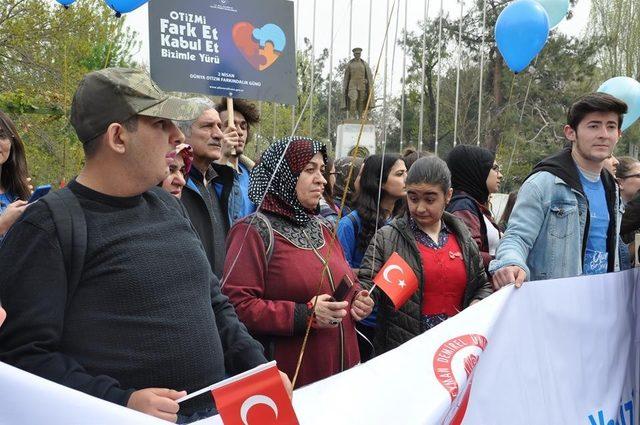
x,y
347,136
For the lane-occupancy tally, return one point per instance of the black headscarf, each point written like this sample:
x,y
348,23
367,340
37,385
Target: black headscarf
x,y
470,167
281,195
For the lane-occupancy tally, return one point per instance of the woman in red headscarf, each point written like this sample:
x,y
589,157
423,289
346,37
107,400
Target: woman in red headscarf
x,y
181,159
275,271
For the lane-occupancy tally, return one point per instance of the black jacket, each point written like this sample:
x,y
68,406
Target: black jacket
x,y
208,212
147,311
563,166
630,220
396,327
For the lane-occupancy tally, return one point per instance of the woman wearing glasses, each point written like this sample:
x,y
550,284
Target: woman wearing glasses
x,y
628,177
474,176
14,186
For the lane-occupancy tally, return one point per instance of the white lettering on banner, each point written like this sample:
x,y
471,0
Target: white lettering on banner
x,y
166,53
188,17
180,42
185,34
210,33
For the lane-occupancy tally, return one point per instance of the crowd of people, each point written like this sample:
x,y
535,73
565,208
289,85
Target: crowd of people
x,y
173,260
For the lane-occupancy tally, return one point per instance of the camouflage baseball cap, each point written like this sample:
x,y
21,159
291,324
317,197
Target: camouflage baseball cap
x,y
117,94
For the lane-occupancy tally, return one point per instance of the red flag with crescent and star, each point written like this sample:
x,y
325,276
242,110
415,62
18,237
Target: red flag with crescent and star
x,y
397,280
255,397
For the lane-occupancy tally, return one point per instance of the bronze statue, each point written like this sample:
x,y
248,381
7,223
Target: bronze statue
x,y
356,84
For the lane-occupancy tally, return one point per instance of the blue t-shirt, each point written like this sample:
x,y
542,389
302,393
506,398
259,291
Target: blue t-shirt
x,y
348,237
596,257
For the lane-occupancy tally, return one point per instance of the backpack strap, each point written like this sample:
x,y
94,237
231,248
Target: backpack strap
x,y
261,223
356,225
71,227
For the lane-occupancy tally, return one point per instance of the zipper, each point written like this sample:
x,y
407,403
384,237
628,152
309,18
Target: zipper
x,y
414,247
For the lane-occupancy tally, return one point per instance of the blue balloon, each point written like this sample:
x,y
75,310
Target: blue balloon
x,y
124,6
628,90
65,3
556,10
522,30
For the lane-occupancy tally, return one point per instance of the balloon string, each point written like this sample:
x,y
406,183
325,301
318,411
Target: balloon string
x,y
343,200
110,46
524,103
513,80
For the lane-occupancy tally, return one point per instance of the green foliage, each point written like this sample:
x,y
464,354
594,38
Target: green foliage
x,y
45,50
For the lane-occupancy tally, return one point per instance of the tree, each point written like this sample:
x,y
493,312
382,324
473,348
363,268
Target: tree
x,y
45,50
616,21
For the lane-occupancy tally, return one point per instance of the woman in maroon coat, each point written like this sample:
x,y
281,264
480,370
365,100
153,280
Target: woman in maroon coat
x,y
273,272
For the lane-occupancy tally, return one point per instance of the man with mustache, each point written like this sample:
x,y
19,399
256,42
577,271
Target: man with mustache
x,y
207,209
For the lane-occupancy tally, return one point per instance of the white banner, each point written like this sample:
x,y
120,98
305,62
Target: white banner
x,y
560,351
565,355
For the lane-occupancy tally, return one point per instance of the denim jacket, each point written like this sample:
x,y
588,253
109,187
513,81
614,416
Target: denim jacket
x,y
547,230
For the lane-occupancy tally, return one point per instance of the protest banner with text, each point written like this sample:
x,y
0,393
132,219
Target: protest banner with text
x,y
235,48
558,351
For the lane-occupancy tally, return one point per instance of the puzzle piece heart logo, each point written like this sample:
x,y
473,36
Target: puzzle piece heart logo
x,y
261,47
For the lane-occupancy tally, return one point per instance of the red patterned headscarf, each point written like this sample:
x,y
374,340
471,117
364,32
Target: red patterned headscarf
x,y
279,181
186,152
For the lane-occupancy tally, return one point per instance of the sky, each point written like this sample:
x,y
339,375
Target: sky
x,y
138,21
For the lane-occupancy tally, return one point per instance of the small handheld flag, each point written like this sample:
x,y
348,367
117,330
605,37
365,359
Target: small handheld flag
x,y
254,397
397,280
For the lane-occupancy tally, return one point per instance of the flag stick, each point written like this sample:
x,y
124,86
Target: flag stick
x,y
325,269
230,122
194,394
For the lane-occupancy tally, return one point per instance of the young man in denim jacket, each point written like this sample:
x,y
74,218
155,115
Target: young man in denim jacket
x,y
567,216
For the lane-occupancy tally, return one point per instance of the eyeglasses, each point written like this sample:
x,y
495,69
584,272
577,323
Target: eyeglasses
x,y
630,176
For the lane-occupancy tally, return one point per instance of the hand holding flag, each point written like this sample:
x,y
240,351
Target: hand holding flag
x,y
260,396
397,280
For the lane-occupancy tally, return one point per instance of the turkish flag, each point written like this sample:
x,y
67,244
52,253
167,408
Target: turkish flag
x,y
255,397
397,280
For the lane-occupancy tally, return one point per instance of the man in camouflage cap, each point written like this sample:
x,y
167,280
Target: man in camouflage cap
x,y
145,319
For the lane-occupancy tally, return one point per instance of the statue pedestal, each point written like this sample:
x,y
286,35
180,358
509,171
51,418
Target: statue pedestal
x,y
347,136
